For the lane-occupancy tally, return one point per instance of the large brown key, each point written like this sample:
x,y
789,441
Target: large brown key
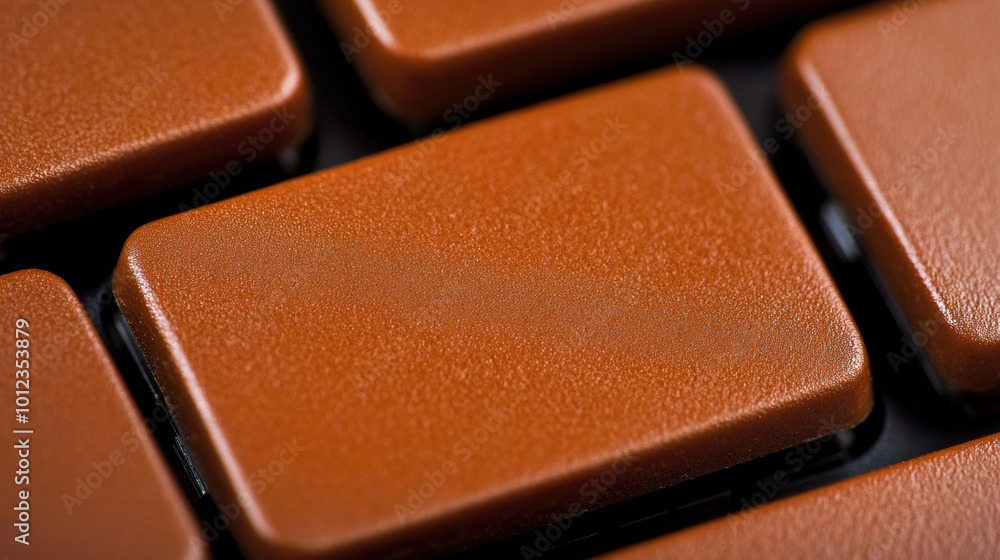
x,y
458,339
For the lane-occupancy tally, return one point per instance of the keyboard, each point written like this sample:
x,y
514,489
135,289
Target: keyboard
x,y
450,279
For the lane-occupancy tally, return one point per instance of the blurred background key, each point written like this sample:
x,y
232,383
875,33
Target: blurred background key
x,y
426,60
906,133
103,102
941,506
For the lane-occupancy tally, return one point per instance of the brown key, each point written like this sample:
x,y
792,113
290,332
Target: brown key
x,y
103,104
936,507
434,59
84,477
899,108
460,338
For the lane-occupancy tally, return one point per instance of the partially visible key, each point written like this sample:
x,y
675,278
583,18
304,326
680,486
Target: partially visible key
x,y
443,59
102,103
900,110
942,506
83,477
464,337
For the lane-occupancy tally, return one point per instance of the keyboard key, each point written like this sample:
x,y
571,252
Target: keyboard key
x,y
940,506
458,339
434,60
86,480
905,133
103,104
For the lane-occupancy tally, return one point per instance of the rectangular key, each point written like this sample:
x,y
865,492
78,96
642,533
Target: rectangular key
x,y
452,341
82,474
440,60
937,507
103,104
899,109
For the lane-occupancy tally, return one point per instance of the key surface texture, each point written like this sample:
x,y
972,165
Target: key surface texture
x,y
899,109
449,341
937,507
103,104
97,486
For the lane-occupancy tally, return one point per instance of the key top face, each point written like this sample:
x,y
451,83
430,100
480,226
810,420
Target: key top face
x,y
455,337
432,59
89,481
906,135
104,105
939,506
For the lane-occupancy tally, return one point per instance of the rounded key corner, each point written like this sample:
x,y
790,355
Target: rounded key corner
x,y
296,97
358,32
127,270
390,70
855,384
262,539
134,247
703,75
197,551
860,382
49,283
816,34
394,78
967,363
864,404
39,276
795,68
295,90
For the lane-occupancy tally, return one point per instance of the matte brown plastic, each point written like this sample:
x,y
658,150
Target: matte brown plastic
x,y
445,343
434,59
905,132
937,507
103,103
97,486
